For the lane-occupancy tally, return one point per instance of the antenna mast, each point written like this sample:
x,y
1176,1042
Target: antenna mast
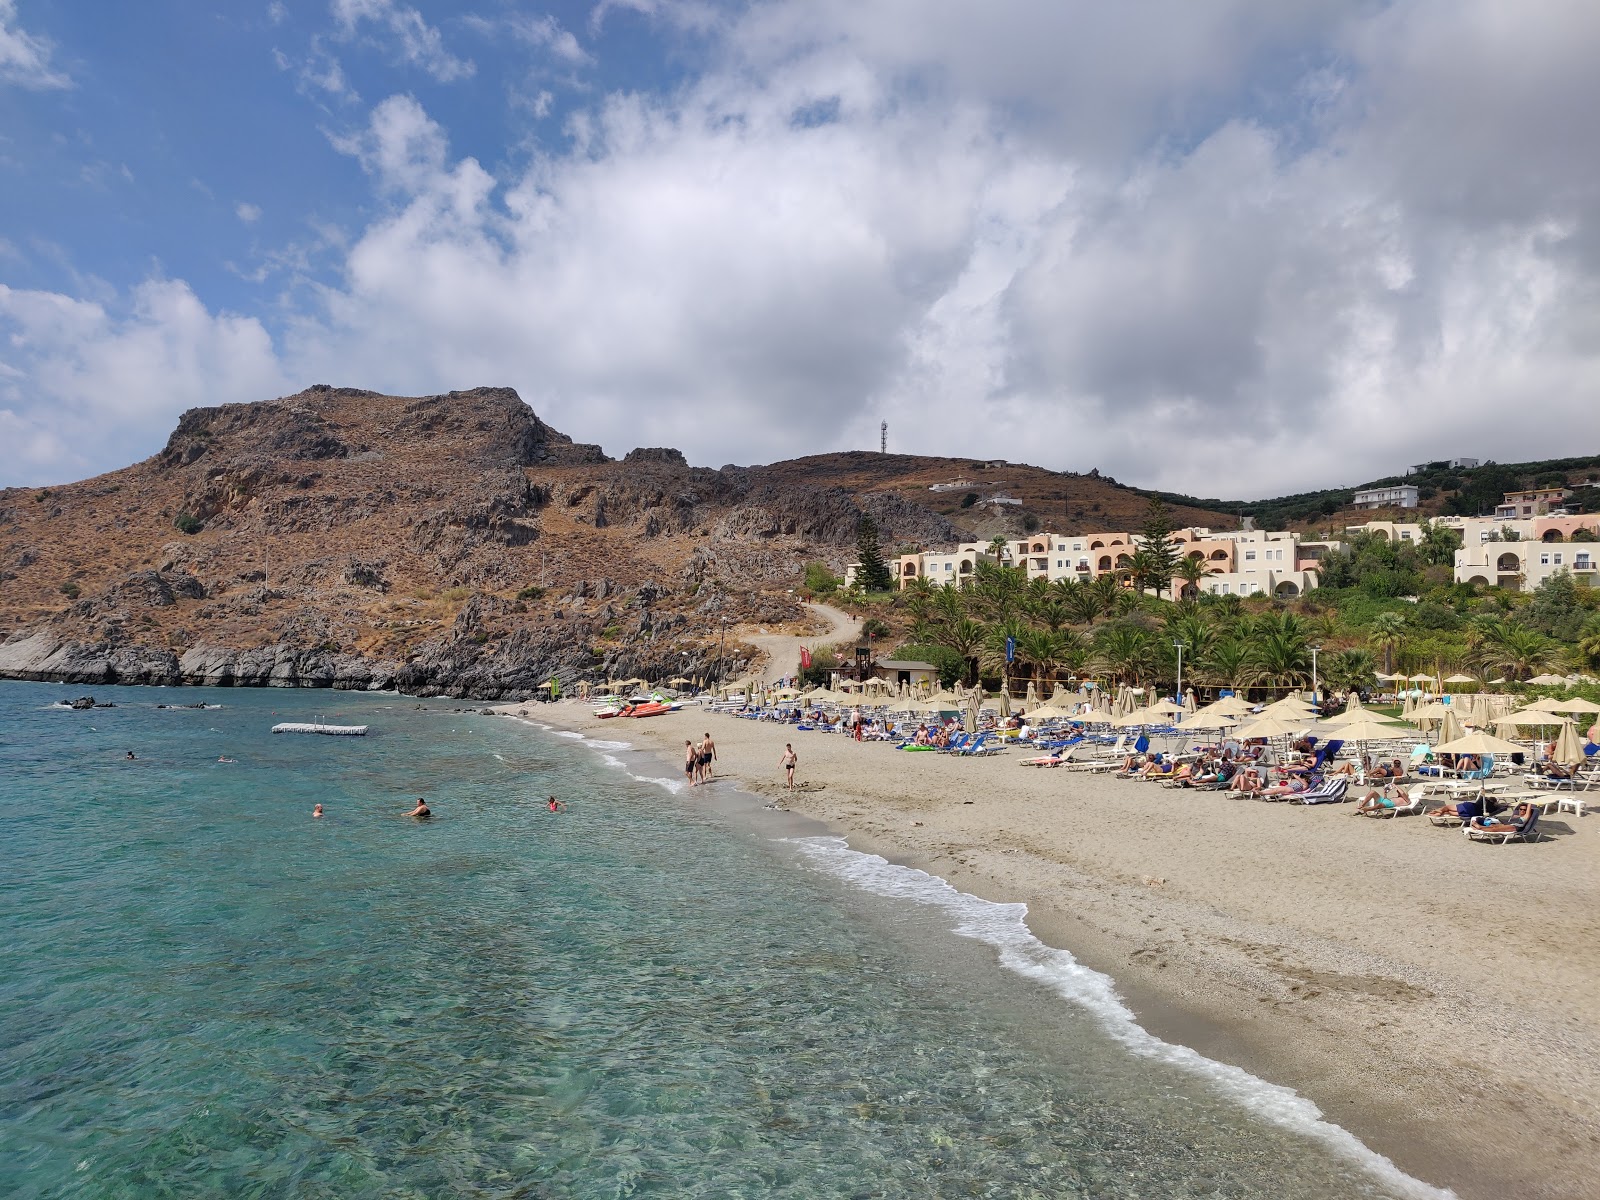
x,y
883,438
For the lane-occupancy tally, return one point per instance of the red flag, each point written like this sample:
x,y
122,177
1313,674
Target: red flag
x,y
805,659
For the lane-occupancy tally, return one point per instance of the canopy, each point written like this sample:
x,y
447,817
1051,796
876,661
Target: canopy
x,y
1479,743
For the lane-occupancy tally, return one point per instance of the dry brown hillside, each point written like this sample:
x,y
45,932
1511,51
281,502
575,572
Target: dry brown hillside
x,y
450,542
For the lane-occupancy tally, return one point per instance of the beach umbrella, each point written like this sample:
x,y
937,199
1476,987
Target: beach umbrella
x,y
970,713
1289,705
1450,727
1032,698
1354,716
1568,748
1367,729
1575,705
1188,701
1548,680
1548,704
1479,743
1461,679
1353,702
1208,720
1427,713
1421,679
1047,712
1269,726
1005,699
1167,707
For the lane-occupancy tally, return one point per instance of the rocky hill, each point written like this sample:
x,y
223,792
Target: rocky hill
x,y
452,544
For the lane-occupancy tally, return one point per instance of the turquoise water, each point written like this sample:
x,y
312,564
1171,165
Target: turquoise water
x,y
205,992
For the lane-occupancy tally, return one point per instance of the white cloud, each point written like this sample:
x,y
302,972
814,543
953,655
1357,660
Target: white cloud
x,y
404,30
1228,275
248,213
25,57
82,384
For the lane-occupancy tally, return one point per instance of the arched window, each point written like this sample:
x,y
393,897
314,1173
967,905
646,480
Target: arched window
x,y
1509,563
1104,563
1219,556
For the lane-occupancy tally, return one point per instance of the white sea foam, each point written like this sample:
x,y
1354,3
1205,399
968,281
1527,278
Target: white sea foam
x,y
1004,927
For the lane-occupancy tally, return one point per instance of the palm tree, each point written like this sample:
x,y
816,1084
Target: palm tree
x,y
1126,652
1387,633
1277,657
994,643
1195,632
1519,652
1083,604
964,637
1191,571
1226,663
1348,670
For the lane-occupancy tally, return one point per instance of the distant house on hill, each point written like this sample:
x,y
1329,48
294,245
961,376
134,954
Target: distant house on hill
x,y
1444,464
1400,496
1536,503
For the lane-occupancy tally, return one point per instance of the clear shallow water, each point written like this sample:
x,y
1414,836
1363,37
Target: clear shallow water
x,y
206,992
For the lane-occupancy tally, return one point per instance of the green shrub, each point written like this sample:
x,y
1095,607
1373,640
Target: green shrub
x,y
531,593
456,594
71,590
188,523
820,580
969,499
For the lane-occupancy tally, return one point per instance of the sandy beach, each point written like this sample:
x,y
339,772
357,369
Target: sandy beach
x,y
1439,998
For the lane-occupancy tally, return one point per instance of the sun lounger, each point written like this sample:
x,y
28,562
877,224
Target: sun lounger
x,y
1329,791
1394,808
1503,833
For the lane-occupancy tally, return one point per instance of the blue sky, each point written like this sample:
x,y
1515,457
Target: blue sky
x,y
1235,248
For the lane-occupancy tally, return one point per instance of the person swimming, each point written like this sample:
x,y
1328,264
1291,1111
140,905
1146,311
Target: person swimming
x,y
317,811
421,812
223,758
557,805
131,756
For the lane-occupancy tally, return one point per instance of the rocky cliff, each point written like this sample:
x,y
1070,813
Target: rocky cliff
x,y
451,544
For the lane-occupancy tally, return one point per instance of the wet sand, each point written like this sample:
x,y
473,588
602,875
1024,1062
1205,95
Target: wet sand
x,y
1439,998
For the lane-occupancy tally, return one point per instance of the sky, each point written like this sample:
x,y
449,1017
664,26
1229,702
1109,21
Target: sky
x,y
1234,248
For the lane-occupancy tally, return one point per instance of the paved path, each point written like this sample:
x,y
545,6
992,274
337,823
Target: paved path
x,y
783,651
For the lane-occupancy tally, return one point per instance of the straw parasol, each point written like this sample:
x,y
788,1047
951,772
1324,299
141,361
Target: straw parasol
x,y
1005,699
1032,699
969,719
1568,748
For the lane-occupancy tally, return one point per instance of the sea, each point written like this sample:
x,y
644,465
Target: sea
x,y
204,991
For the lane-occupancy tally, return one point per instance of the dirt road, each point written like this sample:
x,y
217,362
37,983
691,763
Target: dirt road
x,y
783,650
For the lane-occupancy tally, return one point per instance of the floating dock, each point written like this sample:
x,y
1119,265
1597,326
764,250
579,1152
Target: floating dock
x,y
330,730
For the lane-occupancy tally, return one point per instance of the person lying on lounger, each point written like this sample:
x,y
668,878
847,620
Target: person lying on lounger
x,y
1553,770
1247,782
1389,799
1158,768
1518,820
1292,786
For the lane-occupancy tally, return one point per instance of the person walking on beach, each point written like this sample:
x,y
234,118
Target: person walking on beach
x,y
708,755
691,762
788,761
421,812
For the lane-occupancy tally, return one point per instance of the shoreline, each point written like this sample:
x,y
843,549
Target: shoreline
x,y
1375,1036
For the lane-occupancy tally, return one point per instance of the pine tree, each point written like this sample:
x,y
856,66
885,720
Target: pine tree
x,y
1161,557
872,572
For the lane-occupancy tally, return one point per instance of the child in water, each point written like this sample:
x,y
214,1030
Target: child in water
x,y
556,805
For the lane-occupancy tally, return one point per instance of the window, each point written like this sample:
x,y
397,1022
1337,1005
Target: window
x,y
1224,589
1249,556
1558,558
1544,559
1405,535
1581,561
